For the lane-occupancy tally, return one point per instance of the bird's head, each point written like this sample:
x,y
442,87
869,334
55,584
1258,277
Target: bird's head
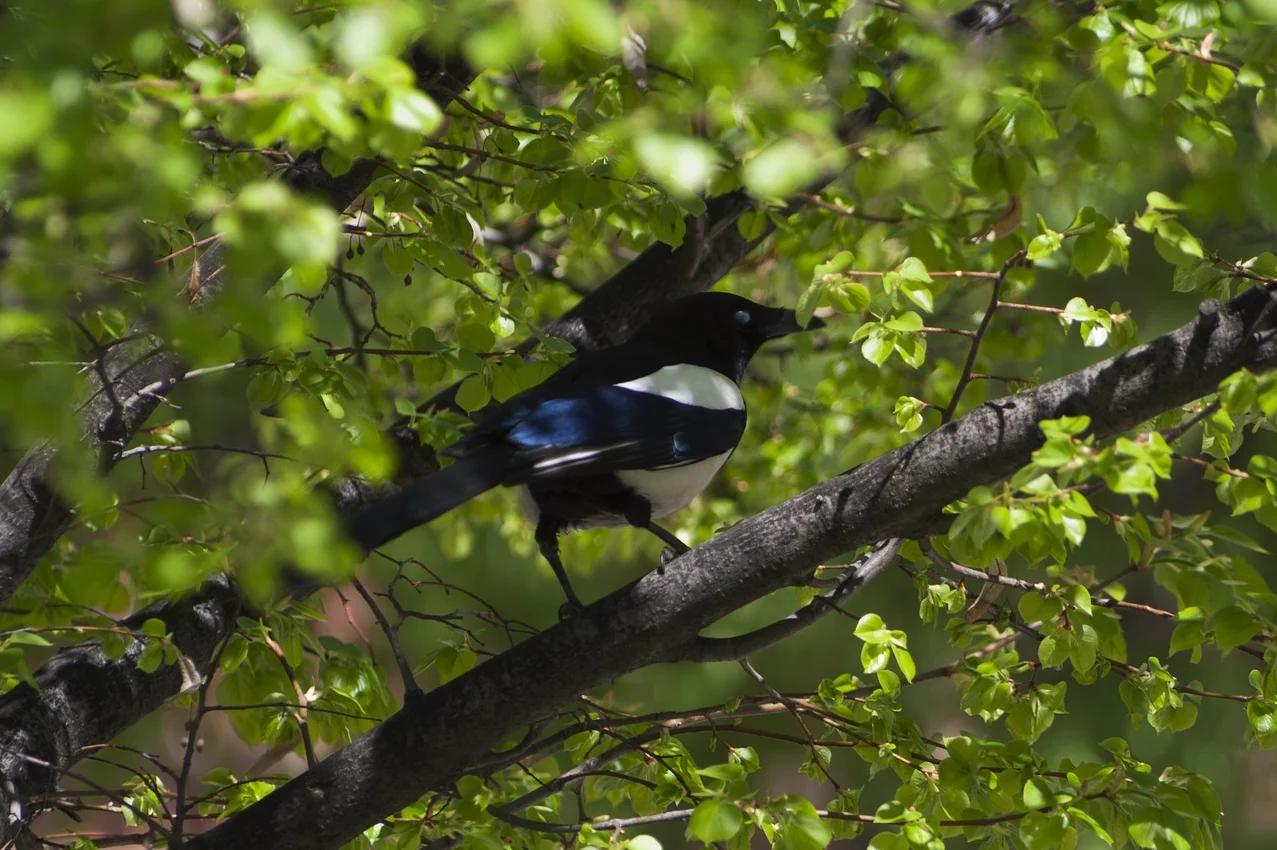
x,y
732,328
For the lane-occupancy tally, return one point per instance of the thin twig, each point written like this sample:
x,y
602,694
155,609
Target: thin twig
x,y
854,577
1170,435
303,724
969,367
405,669
192,735
776,695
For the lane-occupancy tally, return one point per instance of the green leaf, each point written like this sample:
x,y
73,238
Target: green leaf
x,y
1045,831
411,109
1176,245
151,657
850,297
1233,627
913,270
809,301
869,627
714,820
1194,276
681,163
1091,252
727,772
1157,829
905,662
877,349
907,322
1159,201
452,662
780,169
840,263
445,260
802,828
25,638
476,336
473,394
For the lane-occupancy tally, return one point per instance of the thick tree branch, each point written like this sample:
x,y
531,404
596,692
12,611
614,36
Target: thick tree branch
x,y
53,726
139,373
84,697
712,247
436,737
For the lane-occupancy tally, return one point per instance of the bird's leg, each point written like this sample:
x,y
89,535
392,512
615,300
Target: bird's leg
x,y
639,515
675,546
547,537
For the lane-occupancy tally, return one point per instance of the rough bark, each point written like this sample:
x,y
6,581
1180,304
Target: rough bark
x,y
31,518
436,737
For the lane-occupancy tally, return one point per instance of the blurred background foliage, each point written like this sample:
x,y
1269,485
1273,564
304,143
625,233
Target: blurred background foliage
x,y
1125,148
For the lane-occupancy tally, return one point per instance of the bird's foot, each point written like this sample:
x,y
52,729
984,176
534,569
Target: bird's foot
x,y
570,608
667,555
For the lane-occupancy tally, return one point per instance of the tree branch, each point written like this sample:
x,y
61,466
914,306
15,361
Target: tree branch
x,y
44,731
856,576
85,697
131,379
660,274
436,737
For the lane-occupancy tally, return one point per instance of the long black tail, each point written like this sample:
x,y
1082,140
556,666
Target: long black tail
x,y
430,499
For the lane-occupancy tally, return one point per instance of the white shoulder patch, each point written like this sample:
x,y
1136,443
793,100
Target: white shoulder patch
x,y
687,384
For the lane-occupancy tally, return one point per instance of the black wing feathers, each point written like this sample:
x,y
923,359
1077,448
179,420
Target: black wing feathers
x,y
430,498
575,423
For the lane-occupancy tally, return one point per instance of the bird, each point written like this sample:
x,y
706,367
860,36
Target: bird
x,y
621,435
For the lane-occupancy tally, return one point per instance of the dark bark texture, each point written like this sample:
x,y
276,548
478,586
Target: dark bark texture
x,y
86,699
438,736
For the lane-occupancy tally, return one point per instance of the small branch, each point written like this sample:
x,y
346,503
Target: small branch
x,y
491,119
969,367
793,710
1040,587
1206,464
99,366
1006,379
482,154
252,706
601,826
1200,57
206,447
405,669
953,331
978,575
958,273
816,200
1170,435
192,735
855,817
1031,308
854,577
200,243
303,724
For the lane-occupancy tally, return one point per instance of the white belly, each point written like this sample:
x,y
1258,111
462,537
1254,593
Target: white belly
x,y
672,488
669,489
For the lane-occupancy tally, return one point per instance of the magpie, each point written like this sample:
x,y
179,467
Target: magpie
x,y
618,436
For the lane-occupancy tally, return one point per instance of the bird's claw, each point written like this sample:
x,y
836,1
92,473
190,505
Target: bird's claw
x,y
667,554
570,608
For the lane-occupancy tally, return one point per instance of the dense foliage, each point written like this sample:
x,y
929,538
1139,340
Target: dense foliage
x,y
258,260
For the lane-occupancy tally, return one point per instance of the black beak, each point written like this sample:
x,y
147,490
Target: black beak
x,y
785,322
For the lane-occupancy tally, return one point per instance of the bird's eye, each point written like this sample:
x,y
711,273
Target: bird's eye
x,y
743,317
